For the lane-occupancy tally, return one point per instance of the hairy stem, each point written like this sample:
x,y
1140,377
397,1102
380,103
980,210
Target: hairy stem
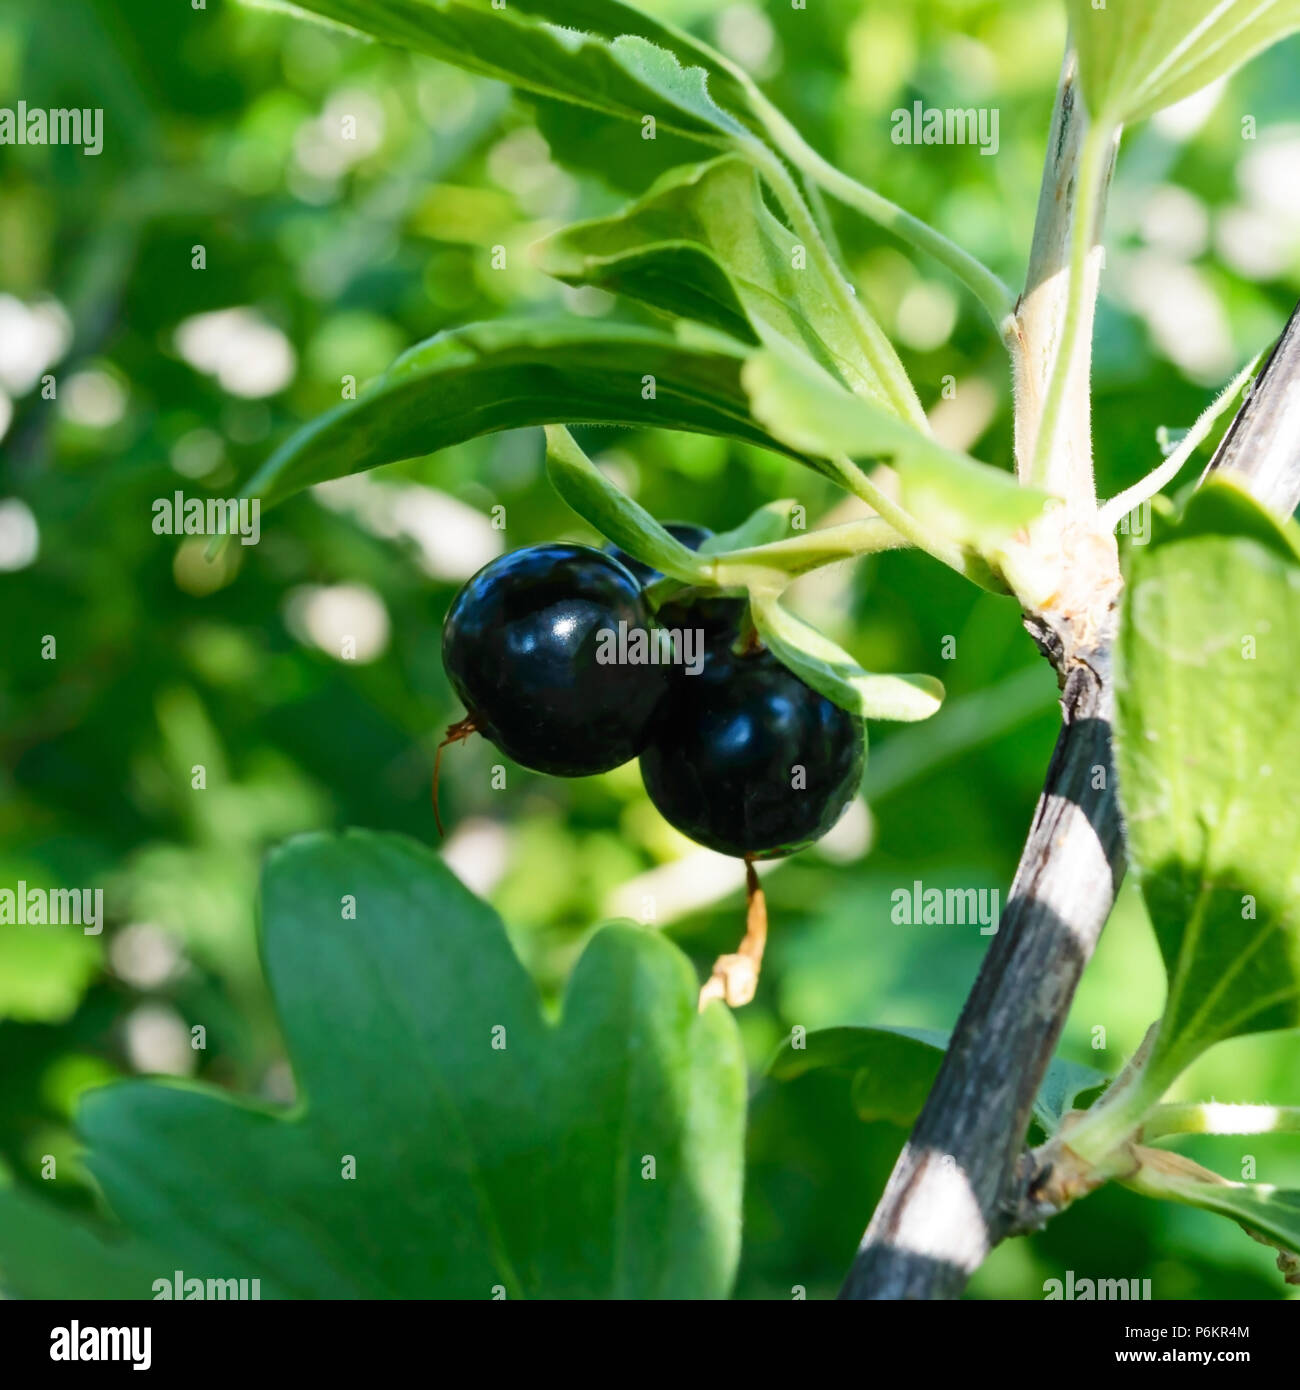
x,y
800,554
969,566
1123,503
876,347
1213,1117
996,298
1054,316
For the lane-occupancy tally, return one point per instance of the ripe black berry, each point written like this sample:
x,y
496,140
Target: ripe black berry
x,y
521,643
749,760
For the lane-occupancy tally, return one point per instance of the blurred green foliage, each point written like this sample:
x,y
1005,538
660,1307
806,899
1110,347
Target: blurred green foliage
x,y
222,131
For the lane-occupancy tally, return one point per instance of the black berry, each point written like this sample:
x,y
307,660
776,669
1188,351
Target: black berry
x,y
522,643
749,760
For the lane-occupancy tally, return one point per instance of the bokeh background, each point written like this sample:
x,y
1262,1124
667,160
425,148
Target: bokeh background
x,y
325,257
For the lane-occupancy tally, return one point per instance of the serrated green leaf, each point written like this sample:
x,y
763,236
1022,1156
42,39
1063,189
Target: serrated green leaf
x,y
1137,56
893,1069
656,70
703,244
553,49
832,672
952,495
1208,758
584,141
613,513
490,1148
501,375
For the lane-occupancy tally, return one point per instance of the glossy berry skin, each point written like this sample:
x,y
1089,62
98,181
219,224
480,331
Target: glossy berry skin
x,y
722,765
520,645
717,618
690,535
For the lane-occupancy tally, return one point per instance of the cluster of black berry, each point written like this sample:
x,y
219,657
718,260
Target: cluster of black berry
x,y
736,751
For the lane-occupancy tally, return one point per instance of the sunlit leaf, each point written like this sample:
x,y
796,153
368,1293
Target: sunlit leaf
x,y
957,498
702,243
1136,56
612,512
1208,757
832,672
501,375
552,49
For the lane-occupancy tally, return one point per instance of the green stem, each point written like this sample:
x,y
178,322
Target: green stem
x,y
1117,1115
1092,171
799,554
968,566
992,293
822,215
1120,505
876,347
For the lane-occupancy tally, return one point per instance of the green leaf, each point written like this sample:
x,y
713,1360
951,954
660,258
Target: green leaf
x,y
553,49
489,1146
614,514
703,244
950,494
1064,1089
1273,1212
1270,1214
765,524
832,672
47,1253
893,1069
1137,56
657,71
846,1049
1208,758
501,375
584,141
